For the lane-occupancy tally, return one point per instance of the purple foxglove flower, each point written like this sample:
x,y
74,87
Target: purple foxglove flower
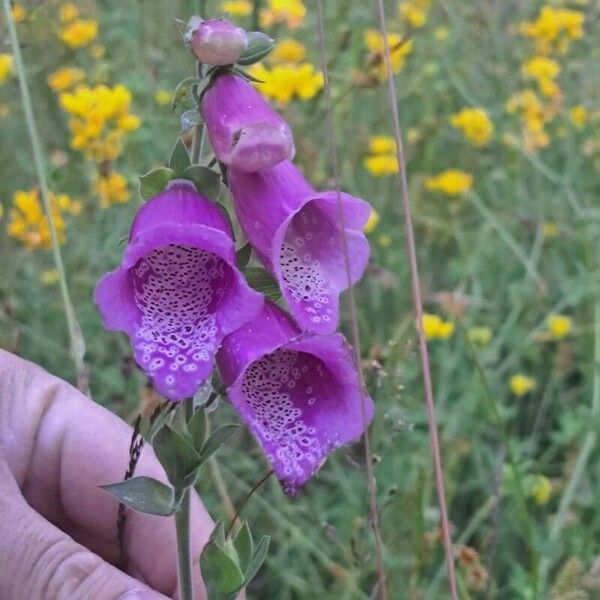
x,y
298,392
296,233
177,292
215,42
245,132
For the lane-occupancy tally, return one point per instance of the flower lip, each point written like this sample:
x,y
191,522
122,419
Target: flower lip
x,y
298,392
177,292
245,132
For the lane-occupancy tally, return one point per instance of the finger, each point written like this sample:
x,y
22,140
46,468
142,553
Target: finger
x,y
39,561
61,447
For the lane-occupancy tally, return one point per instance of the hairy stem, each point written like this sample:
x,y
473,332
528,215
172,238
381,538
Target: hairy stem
x,y
182,529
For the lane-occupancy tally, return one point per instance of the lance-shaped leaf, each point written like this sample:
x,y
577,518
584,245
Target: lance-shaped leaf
x,y
216,440
221,574
258,45
197,428
244,545
257,560
144,494
154,182
177,456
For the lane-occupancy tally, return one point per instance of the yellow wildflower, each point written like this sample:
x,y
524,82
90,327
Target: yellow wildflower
x,y
6,67
382,144
112,189
18,13
372,222
399,49
67,13
28,223
479,335
290,12
520,384
435,328
282,82
474,124
559,326
65,78
288,51
541,490
162,97
380,165
544,70
578,115
414,12
237,8
451,182
49,276
79,33
554,28
534,117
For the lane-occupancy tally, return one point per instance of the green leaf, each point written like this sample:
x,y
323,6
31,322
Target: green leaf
x,y
190,118
154,182
222,576
246,75
258,45
197,428
218,437
258,558
244,545
144,494
182,91
177,456
259,280
242,256
207,181
180,158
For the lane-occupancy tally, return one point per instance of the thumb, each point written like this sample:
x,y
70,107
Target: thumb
x,y
40,562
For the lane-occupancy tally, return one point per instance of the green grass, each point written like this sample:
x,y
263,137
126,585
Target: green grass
x,y
487,245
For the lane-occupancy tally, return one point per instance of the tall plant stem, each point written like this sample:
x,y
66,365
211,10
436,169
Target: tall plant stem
x,y
418,309
75,336
370,477
182,529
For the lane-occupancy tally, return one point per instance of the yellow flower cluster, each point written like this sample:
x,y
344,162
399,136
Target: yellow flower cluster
x,y
451,182
414,12
544,71
559,326
399,49
520,384
28,223
578,115
381,160
288,75
112,189
289,12
65,78
534,116
237,8
554,29
6,67
435,328
79,33
18,13
474,124
99,118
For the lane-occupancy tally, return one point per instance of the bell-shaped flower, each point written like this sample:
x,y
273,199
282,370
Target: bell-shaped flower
x,y
245,132
297,233
298,392
177,292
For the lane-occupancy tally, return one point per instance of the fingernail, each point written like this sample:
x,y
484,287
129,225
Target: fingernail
x,y
141,595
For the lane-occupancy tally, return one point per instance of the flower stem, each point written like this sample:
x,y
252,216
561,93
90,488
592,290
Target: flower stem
x,y
76,338
182,528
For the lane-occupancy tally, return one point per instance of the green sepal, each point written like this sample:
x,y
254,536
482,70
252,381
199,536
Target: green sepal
x,y
257,560
242,256
259,280
258,45
244,545
183,90
178,457
218,437
197,429
154,182
207,181
179,160
145,495
245,75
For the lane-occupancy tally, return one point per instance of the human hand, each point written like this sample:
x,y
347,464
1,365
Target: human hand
x,y
57,527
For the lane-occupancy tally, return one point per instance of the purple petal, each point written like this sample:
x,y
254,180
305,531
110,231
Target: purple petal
x,y
177,292
296,233
216,41
298,394
245,132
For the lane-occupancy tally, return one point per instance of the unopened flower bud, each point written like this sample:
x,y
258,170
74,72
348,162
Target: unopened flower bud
x,y
215,42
